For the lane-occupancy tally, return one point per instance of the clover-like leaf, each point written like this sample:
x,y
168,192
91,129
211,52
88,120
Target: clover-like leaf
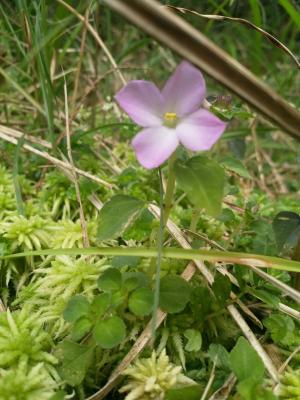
x,y
77,306
109,332
174,293
110,280
140,302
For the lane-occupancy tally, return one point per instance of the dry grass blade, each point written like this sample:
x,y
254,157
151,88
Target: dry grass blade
x,y
180,36
97,38
243,21
18,135
85,237
254,342
62,164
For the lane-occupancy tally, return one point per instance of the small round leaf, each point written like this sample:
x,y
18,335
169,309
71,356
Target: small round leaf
x,y
109,332
80,328
174,293
110,280
100,304
140,302
76,308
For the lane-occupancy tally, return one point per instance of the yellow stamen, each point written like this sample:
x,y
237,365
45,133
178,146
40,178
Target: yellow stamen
x,y
170,116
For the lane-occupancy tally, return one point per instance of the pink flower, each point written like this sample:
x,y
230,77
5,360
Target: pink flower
x,y
170,117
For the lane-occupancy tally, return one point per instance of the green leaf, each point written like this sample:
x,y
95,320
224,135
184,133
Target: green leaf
x,y
117,215
245,362
100,304
203,181
281,327
75,359
119,298
60,395
125,261
286,226
236,165
175,293
133,280
194,340
110,280
140,302
80,328
265,296
109,332
252,389
221,288
219,355
191,392
76,308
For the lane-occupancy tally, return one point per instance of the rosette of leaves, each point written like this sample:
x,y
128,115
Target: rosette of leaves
x,y
67,233
104,315
23,340
151,378
54,286
27,383
7,203
26,233
55,195
289,387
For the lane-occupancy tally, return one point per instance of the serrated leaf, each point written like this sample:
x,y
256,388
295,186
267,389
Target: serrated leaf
x,y
140,302
175,293
282,328
203,181
118,214
109,332
110,280
194,340
75,359
77,306
245,362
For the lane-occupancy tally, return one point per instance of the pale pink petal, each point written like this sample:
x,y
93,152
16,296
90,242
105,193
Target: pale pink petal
x,y
142,101
153,146
184,91
200,130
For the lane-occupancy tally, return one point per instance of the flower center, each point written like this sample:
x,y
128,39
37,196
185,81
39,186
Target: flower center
x,y
170,119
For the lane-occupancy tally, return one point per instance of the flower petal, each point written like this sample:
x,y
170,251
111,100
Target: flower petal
x,y
185,90
153,146
142,101
200,130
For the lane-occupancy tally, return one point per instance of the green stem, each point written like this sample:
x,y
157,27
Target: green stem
x,y
170,188
194,220
160,244
16,181
174,253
